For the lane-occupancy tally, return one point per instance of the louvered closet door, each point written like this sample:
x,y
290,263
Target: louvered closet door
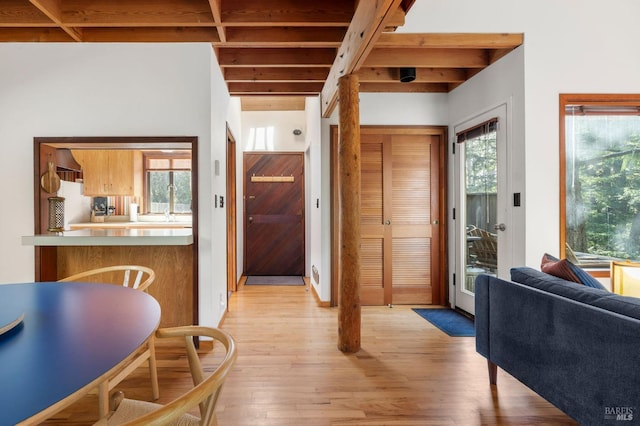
x,y
411,218
397,233
374,234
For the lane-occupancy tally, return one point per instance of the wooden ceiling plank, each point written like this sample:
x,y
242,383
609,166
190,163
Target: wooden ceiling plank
x,y
52,9
266,74
272,103
288,12
450,40
364,30
275,57
428,58
152,35
101,13
423,75
18,13
284,36
216,12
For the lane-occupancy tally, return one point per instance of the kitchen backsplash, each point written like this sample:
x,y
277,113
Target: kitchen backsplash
x,y
121,204
77,207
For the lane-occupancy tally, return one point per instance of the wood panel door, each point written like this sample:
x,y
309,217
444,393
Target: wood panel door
x,y
402,203
274,213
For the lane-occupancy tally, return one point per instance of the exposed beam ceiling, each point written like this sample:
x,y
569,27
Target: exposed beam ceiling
x,y
277,49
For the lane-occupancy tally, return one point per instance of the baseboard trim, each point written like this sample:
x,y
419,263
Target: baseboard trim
x,y
320,303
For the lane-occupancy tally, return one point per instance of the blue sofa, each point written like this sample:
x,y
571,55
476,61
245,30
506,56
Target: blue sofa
x,y
576,346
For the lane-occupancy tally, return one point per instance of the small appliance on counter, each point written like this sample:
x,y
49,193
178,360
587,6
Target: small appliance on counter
x,y
99,206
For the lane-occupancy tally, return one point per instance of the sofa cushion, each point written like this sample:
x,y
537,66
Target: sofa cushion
x,y
624,305
558,268
568,271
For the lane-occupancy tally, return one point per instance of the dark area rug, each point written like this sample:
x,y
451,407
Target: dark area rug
x,y
274,280
450,321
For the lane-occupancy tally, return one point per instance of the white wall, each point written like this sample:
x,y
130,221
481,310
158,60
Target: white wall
x,y
105,90
213,264
315,200
500,84
569,47
235,126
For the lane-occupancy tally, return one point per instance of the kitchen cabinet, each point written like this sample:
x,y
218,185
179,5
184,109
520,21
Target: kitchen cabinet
x,y
110,172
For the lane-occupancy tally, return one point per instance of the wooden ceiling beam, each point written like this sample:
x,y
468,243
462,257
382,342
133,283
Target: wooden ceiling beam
x,y
284,36
275,88
364,30
450,41
32,35
427,58
178,13
288,12
52,9
276,74
398,87
496,54
396,20
152,35
276,57
423,75
216,12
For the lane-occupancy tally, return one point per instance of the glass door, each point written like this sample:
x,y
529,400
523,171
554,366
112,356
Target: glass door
x,y
480,209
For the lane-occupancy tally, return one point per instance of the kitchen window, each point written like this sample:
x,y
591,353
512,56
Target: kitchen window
x,y
168,183
600,178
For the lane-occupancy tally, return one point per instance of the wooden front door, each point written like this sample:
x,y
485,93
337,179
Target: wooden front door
x,y
274,213
402,198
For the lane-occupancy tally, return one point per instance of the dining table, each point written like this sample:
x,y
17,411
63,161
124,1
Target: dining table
x,y
60,341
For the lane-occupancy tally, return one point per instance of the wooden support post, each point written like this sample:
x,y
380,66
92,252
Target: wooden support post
x,y
349,172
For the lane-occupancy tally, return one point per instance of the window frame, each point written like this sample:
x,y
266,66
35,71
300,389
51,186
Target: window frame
x,y
608,100
159,155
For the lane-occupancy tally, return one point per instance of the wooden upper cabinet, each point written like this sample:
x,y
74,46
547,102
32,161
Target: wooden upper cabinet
x,y
110,172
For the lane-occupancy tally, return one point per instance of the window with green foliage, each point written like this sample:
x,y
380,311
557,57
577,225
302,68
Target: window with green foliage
x,y
168,182
600,172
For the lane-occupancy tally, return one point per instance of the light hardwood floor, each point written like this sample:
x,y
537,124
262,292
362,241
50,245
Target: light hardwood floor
x,y
290,372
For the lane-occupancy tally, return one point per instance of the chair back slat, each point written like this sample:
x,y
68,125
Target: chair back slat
x,y
205,393
107,274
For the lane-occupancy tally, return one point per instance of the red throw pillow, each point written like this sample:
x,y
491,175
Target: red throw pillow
x,y
558,268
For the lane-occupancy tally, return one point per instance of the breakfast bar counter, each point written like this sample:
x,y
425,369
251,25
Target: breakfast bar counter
x,y
170,252
113,237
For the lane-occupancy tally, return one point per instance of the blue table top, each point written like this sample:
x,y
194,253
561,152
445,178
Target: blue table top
x,y
71,334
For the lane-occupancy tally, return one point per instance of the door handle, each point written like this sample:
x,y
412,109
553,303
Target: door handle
x,y
499,227
387,222
250,219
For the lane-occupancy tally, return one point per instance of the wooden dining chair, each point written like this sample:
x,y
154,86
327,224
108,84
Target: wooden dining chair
x,y
204,394
136,277
144,276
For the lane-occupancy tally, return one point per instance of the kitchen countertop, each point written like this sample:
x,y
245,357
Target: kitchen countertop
x,y
113,237
129,225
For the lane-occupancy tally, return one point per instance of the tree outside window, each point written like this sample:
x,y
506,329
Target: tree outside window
x,y
600,192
